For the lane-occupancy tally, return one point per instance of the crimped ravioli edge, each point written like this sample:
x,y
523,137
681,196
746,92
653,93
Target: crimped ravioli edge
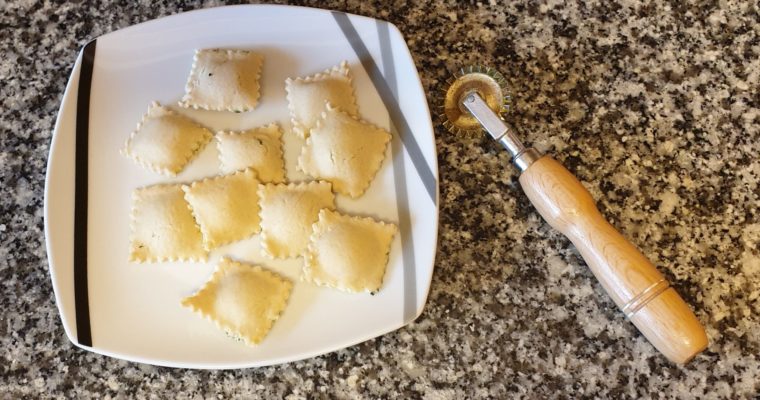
x,y
155,168
280,306
265,246
311,251
204,233
227,132
187,102
340,70
351,193
132,222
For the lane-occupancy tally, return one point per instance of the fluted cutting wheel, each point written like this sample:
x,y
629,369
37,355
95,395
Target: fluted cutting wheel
x,y
488,83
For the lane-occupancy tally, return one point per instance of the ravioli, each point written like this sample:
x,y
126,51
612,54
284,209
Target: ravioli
x,y
348,253
165,141
287,214
223,80
344,151
162,227
307,96
226,207
257,148
243,300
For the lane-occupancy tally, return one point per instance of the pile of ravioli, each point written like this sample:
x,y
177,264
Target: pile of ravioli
x,y
184,222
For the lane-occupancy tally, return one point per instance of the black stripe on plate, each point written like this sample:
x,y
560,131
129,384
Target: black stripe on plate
x,y
81,292
399,174
386,94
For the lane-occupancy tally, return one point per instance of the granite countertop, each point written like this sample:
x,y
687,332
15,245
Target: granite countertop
x,y
654,107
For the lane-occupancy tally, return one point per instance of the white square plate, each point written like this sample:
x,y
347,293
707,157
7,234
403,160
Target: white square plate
x,y
133,310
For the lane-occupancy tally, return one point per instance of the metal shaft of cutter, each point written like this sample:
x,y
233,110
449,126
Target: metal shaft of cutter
x,y
500,131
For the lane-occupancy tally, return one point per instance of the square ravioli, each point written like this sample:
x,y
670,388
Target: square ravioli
x,y
226,207
344,151
165,141
287,214
223,80
257,148
243,300
347,252
162,227
307,96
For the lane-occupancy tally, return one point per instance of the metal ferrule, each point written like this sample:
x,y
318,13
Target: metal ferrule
x,y
526,158
522,157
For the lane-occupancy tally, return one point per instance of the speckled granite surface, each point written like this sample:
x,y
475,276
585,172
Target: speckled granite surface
x,y
655,108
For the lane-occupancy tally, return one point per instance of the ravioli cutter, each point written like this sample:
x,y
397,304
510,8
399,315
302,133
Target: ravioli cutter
x,y
475,100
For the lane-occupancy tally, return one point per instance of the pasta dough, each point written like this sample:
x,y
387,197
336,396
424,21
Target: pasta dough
x,y
347,252
165,141
162,227
307,96
287,213
257,148
226,207
344,151
223,80
243,300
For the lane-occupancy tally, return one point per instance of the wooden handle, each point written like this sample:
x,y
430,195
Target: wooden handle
x,y
630,279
